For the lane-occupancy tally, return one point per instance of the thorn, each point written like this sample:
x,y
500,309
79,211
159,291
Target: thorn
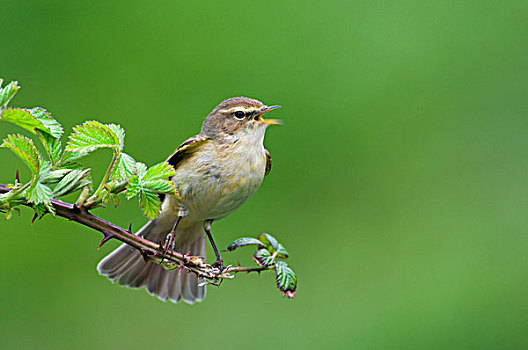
x,y
106,238
17,177
238,263
259,272
35,216
130,228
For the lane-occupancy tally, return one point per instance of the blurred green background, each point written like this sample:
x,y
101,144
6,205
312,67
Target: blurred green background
x,y
399,181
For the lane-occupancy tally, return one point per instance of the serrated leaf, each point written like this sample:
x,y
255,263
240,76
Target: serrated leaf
x,y
160,186
50,208
286,279
38,193
281,252
157,178
8,92
45,167
269,241
73,181
118,130
52,146
124,168
54,176
40,209
51,126
141,169
244,241
263,257
90,136
33,119
133,187
68,156
25,149
43,208
150,203
160,171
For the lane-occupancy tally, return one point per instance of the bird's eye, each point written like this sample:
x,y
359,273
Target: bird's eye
x,y
240,115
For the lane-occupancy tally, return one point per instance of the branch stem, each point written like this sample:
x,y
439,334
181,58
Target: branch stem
x,y
16,191
151,250
106,175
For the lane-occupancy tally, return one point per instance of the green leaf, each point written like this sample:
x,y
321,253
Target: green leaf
x,y
90,136
72,182
141,169
157,178
25,149
124,168
150,203
118,130
241,242
160,171
52,177
33,119
286,279
50,208
160,186
52,146
281,252
51,126
7,92
43,208
269,241
263,257
40,209
38,193
45,167
133,187
69,157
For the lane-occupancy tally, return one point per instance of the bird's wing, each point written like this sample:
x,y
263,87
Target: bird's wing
x,y
186,149
183,151
268,162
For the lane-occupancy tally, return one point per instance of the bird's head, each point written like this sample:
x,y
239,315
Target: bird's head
x,y
236,117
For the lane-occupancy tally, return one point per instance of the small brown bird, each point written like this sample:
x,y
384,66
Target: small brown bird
x,y
216,171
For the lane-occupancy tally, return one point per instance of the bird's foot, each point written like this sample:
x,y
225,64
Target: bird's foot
x,y
219,264
169,243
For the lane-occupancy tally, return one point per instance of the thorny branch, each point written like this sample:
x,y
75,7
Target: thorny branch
x,y
150,250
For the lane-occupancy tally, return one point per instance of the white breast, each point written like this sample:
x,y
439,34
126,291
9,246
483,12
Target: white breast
x,y
221,177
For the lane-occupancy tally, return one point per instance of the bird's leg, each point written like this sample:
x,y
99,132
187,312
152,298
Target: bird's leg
x,y
218,263
170,240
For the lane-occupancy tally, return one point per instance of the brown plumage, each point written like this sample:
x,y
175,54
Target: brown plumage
x,y
216,171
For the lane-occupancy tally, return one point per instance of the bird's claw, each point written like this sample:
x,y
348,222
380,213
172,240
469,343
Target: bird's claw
x,y
169,243
219,264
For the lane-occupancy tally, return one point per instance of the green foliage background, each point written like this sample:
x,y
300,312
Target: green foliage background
x,y
399,183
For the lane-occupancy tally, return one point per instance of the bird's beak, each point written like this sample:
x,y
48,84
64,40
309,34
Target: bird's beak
x,y
265,110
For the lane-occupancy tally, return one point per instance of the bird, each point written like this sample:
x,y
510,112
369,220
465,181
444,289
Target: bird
x,y
216,172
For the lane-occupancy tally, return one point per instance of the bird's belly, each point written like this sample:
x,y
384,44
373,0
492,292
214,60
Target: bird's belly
x,y
216,193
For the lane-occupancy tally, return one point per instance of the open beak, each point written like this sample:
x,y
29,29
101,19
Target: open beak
x,y
265,110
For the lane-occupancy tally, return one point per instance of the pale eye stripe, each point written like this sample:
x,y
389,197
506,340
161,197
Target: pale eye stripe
x,y
245,110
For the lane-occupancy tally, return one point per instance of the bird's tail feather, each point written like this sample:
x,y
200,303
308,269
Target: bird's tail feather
x,y
127,266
